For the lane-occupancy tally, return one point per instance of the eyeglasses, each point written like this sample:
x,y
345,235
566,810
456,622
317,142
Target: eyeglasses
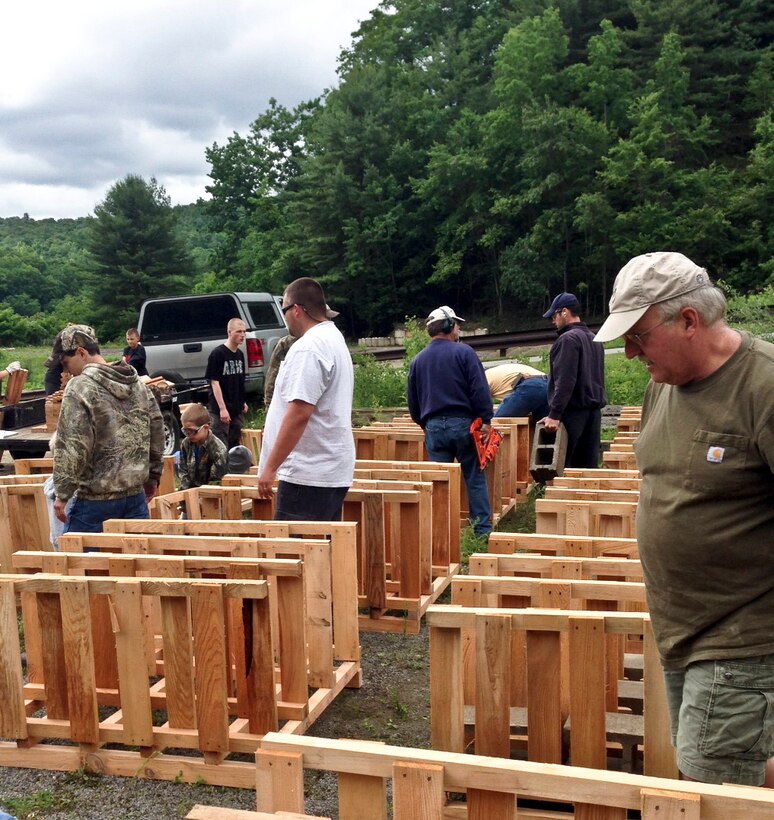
x,y
291,305
639,338
191,431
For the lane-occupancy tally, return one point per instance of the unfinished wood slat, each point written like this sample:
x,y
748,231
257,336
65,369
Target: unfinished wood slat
x,y
292,648
208,618
544,717
52,655
128,619
279,781
362,797
447,726
490,805
12,715
79,661
261,693
661,804
493,655
417,791
659,753
176,632
587,692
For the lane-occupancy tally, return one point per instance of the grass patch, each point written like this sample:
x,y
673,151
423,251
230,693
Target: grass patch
x,y
522,517
33,805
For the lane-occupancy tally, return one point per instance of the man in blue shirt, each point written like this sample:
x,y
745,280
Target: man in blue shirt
x,y
446,391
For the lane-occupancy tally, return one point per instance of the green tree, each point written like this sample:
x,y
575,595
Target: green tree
x,y
136,253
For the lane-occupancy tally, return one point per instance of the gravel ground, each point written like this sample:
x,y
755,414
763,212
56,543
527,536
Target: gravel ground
x,y
393,705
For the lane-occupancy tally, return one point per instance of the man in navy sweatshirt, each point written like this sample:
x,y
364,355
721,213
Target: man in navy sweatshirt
x,y
576,383
446,391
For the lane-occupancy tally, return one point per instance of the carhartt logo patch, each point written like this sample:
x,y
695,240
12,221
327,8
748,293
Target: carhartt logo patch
x,y
715,454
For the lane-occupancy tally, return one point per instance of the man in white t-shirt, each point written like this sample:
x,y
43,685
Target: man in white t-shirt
x,y
307,438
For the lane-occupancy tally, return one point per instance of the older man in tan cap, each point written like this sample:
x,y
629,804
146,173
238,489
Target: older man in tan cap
x,y
706,512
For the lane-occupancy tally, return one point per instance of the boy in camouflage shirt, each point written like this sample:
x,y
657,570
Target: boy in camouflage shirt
x,y
203,456
110,437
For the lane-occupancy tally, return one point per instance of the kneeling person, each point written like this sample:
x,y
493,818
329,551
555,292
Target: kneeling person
x,y
203,456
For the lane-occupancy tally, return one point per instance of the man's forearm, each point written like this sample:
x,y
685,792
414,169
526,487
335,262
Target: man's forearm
x,y
218,393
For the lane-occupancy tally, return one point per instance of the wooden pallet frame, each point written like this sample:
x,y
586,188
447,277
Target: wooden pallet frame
x,y
595,518
212,708
422,781
23,521
583,699
579,546
395,569
285,539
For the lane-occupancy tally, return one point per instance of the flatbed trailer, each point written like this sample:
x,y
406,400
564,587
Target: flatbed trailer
x,y
24,433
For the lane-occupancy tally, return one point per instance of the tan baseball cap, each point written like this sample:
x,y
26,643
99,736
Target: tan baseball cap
x,y
647,280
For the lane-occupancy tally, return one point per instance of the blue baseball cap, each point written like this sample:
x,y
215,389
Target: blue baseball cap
x,y
563,300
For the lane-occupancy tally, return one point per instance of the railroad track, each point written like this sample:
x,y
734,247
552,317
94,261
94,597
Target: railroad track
x,y
488,341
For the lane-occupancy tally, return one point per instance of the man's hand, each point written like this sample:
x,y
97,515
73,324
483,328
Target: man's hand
x,y
550,424
12,367
59,510
485,430
266,482
225,416
151,490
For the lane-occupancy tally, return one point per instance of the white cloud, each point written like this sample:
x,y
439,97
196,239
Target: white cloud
x,y
93,90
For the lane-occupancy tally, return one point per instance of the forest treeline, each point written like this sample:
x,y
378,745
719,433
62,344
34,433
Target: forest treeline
x,y
485,154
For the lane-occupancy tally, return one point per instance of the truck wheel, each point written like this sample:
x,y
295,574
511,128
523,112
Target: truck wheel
x,y
170,376
171,433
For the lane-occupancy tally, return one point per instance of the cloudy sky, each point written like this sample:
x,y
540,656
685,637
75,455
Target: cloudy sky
x,y
93,90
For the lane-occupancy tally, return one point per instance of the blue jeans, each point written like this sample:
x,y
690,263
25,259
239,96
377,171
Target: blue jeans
x,y
87,516
529,396
447,439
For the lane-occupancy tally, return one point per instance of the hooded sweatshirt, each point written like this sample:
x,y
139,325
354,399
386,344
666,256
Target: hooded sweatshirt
x,y
110,436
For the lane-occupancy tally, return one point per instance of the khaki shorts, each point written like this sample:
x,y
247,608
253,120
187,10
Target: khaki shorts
x,y
722,715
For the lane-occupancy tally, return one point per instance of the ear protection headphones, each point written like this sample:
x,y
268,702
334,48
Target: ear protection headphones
x,y
448,324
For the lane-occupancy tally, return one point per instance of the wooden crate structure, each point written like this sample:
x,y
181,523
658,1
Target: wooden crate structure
x,y
390,443
202,812
331,571
422,781
193,707
395,571
599,472
551,697
520,449
582,546
252,440
619,460
587,494
445,506
30,466
324,669
599,483
595,518
623,689
23,521
547,566
13,480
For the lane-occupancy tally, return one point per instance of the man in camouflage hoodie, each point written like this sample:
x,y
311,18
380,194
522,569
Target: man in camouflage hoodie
x,y
110,437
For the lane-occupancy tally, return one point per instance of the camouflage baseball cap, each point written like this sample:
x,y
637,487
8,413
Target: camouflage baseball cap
x,y
70,339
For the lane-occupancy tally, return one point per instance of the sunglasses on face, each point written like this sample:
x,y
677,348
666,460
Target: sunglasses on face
x,y
192,431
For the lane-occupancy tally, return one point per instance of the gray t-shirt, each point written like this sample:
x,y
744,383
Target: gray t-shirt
x,y
705,520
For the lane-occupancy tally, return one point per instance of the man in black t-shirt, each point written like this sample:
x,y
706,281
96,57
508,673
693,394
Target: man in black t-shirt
x,y
226,375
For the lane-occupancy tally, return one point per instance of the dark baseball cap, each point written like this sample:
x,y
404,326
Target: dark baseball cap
x,y
563,300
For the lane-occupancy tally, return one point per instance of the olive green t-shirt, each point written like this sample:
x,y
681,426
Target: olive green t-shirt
x,y
705,521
